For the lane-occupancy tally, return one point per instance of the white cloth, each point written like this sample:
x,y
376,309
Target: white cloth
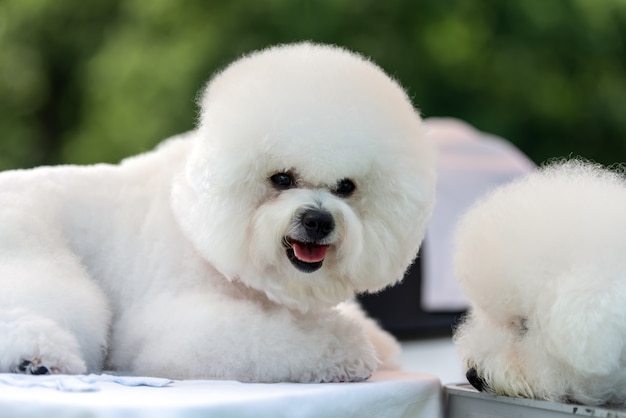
x,y
78,383
386,394
470,163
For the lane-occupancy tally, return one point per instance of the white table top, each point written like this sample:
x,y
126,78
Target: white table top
x,y
414,392
386,394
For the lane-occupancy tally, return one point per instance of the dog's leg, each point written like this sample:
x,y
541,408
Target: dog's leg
x,y
386,346
216,337
32,343
53,317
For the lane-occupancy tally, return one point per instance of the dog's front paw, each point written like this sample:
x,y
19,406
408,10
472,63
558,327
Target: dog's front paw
x,y
69,364
340,353
352,370
347,363
32,344
33,366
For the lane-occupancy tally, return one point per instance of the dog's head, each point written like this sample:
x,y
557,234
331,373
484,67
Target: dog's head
x,y
551,358
310,178
544,275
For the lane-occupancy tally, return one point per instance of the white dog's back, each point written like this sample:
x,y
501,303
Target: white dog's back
x,y
527,233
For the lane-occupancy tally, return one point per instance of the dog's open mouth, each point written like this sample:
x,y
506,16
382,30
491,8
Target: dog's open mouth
x,y
306,256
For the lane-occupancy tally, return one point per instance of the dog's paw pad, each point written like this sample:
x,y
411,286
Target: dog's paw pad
x,y
33,367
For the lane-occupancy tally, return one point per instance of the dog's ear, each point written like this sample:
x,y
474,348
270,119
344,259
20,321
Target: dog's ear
x,y
585,323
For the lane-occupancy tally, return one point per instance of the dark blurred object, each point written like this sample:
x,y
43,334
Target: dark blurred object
x,y
398,309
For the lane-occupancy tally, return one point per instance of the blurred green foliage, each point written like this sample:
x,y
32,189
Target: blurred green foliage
x,y
99,80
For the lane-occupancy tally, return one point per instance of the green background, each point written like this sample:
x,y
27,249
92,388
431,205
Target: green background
x,y
98,80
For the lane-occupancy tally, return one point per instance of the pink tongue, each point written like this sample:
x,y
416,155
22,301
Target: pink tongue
x,y
309,253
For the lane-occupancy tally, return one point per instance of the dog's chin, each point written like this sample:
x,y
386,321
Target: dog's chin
x,y
307,257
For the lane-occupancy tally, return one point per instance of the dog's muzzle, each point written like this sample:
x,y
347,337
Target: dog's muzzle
x,y
307,248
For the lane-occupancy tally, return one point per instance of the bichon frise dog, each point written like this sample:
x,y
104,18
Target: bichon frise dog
x,y
224,253
543,263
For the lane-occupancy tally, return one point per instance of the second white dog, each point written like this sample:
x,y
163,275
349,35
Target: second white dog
x,y
224,253
543,262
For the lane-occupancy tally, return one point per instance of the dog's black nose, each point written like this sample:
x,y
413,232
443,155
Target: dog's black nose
x,y
475,380
317,224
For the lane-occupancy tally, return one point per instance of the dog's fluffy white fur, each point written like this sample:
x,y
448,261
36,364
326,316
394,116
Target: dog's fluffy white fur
x,y
543,263
225,252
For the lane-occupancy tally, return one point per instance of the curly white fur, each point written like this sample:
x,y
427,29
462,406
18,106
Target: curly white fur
x,y
542,262
180,262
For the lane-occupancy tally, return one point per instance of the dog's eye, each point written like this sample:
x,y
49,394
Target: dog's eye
x,y
344,188
282,181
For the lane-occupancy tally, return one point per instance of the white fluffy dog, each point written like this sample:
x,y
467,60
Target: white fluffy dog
x,y
224,253
543,262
